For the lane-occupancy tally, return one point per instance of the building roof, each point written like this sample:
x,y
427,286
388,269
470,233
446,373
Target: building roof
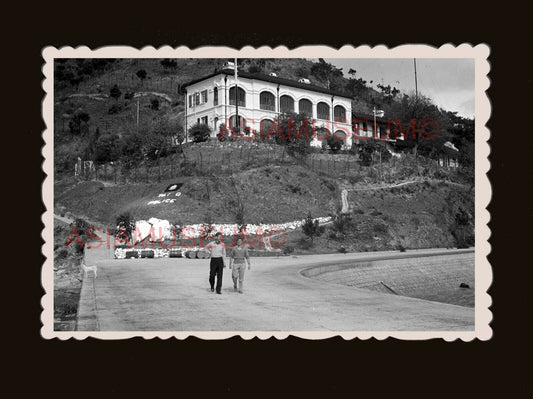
x,y
271,79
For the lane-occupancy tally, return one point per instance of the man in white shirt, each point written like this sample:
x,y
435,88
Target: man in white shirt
x,y
218,253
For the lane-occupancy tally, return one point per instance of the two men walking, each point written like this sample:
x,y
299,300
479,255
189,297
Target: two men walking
x,y
238,255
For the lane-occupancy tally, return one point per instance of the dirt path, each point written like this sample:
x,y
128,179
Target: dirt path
x,y
406,183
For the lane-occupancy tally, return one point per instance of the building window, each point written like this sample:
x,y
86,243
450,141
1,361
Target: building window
x,y
339,113
305,107
204,96
190,100
215,96
286,104
267,101
197,98
322,110
241,96
204,120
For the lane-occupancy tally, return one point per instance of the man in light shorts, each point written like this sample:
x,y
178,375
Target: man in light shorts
x,y
238,256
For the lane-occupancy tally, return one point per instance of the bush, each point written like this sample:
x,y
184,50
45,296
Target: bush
x,y
115,92
311,228
380,228
254,69
334,143
200,132
126,222
288,249
61,253
114,109
224,134
341,223
128,95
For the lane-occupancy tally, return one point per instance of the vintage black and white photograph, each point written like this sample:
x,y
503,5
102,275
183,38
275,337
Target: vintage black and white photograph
x,y
263,192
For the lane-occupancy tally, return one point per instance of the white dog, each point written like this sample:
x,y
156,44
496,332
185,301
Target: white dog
x,y
87,269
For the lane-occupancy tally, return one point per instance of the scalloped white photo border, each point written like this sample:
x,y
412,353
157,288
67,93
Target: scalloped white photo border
x,y
483,191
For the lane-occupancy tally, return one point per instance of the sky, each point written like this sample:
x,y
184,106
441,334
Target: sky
x,y
448,82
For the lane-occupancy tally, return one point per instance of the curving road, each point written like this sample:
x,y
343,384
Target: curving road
x,y
172,294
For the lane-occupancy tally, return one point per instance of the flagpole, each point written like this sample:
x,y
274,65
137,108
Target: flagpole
x,y
375,124
236,96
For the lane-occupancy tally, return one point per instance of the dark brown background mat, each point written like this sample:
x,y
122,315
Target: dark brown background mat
x,y
291,366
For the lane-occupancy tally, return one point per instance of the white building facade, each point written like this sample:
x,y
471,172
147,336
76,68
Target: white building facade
x,y
261,99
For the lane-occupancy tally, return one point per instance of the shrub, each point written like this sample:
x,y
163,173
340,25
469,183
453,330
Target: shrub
x,y
254,69
342,250
115,92
311,228
128,95
81,225
114,109
126,222
200,132
154,104
380,228
287,249
341,223
224,134
334,143
61,253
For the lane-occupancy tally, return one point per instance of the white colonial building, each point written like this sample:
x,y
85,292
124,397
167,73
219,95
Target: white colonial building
x,y
261,99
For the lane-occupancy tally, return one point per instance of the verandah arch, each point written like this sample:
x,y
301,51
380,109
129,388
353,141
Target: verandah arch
x,y
286,104
322,110
241,95
305,107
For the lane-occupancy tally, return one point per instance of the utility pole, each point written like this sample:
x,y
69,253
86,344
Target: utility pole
x,y
416,114
137,115
416,83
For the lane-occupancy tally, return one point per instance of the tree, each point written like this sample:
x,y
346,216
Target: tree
x,y
254,69
107,148
126,223
115,92
154,104
79,123
342,222
328,74
311,228
200,132
296,132
169,64
141,74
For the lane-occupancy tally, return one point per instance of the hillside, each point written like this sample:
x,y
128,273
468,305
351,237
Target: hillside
x,y
92,116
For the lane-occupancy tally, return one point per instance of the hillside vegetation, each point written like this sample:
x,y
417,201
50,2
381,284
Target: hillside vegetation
x,y
97,103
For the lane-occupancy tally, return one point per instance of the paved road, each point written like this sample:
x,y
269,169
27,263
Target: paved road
x,y
169,294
